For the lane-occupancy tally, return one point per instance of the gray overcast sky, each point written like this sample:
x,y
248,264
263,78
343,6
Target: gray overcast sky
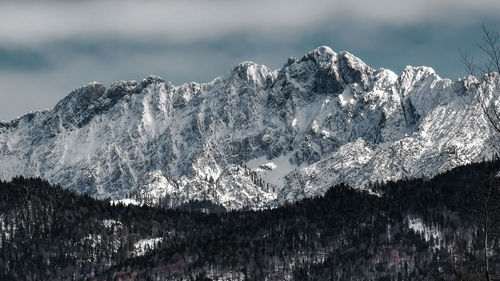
x,y
48,48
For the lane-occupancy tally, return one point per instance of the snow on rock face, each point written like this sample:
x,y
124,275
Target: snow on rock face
x,y
323,119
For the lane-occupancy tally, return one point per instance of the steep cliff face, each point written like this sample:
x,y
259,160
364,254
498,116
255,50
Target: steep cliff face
x,y
253,137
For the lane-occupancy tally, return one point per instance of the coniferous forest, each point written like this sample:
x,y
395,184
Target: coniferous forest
x,y
425,229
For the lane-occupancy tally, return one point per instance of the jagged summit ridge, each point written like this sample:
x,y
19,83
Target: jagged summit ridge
x,y
254,137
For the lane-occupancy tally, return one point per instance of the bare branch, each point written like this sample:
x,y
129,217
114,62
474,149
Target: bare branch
x,y
490,48
468,61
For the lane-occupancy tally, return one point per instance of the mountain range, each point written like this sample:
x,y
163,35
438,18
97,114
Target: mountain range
x,y
255,137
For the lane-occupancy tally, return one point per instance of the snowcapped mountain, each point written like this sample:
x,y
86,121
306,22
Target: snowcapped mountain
x,y
254,137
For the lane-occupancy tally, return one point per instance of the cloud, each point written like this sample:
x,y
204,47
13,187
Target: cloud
x,y
180,21
175,20
21,59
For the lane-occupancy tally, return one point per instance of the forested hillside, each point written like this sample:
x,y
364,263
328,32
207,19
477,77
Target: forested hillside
x,y
408,230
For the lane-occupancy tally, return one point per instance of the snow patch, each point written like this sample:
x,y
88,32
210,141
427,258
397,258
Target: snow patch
x,y
126,202
427,232
268,166
346,97
144,246
111,223
276,170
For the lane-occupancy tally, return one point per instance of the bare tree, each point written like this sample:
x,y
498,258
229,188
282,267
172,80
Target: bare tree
x,y
467,263
485,74
487,212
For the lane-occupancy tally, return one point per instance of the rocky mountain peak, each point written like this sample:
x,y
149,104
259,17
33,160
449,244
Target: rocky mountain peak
x,y
151,79
252,73
323,56
353,70
82,96
418,73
